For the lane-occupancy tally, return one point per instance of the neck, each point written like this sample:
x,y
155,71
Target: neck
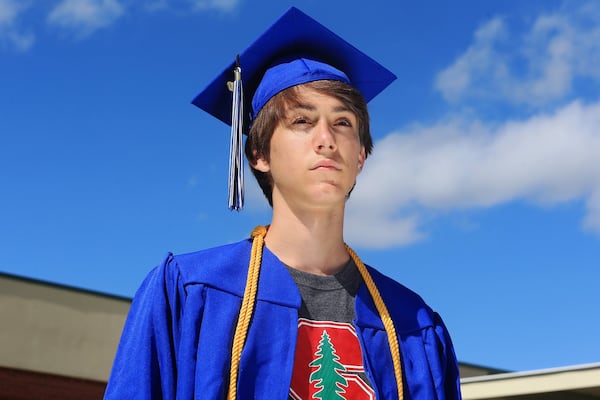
x,y
309,241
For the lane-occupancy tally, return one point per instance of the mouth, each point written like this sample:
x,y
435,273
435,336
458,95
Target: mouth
x,y
329,165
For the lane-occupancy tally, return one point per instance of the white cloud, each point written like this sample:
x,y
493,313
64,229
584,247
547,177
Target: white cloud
x,y
10,10
463,163
85,16
534,67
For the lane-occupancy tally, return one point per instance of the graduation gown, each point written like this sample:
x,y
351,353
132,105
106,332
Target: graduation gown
x,y
176,343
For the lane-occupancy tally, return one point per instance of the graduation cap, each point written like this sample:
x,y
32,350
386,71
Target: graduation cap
x,y
296,49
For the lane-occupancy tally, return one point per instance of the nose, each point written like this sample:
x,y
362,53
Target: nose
x,y
324,140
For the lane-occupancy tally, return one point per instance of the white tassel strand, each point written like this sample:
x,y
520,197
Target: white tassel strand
x,y
236,159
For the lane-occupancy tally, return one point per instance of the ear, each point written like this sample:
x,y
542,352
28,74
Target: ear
x,y
261,164
362,156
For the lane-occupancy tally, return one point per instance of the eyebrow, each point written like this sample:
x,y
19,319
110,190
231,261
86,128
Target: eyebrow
x,y
310,107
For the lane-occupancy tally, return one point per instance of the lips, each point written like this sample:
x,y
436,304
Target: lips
x,y
326,164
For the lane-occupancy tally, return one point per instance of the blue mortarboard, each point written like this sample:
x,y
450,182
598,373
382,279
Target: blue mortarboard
x,y
296,49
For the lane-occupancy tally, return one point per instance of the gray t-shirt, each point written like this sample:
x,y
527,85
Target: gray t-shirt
x,y
328,359
328,298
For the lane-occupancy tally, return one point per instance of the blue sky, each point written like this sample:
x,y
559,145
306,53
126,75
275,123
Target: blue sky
x,y
482,194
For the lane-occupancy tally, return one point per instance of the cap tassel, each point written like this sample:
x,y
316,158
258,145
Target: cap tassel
x,y
236,160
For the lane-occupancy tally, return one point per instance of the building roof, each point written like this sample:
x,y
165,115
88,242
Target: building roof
x,y
573,382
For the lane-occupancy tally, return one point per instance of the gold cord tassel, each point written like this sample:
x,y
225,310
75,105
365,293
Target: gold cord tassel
x,y
384,314
249,301
236,160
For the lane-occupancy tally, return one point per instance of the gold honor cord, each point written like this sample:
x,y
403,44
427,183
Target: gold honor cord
x,y
249,300
388,324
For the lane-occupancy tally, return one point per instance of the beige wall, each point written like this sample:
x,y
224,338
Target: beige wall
x,y
58,330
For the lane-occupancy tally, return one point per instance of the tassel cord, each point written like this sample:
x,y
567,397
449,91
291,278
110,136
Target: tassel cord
x,y
236,160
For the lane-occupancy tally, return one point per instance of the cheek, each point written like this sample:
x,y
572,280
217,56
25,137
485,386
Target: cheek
x,y
281,158
290,146
355,150
276,153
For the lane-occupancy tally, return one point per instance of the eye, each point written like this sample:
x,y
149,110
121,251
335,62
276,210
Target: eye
x,y
344,122
300,121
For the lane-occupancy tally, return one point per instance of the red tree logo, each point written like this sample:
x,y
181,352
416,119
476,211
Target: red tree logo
x,y
327,378
328,363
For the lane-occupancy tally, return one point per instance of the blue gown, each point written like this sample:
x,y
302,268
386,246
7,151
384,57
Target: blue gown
x,y
176,342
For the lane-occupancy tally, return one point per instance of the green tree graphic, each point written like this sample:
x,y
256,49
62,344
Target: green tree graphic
x,y
327,377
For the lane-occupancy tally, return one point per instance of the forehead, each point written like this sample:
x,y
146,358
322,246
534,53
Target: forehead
x,y
307,97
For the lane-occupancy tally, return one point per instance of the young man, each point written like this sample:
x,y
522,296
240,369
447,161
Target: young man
x,y
291,312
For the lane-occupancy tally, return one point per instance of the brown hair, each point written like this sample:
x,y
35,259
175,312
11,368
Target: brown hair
x,y
258,143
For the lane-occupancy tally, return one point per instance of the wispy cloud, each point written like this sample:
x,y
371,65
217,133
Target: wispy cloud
x,y
156,5
464,163
218,5
10,33
533,66
84,17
